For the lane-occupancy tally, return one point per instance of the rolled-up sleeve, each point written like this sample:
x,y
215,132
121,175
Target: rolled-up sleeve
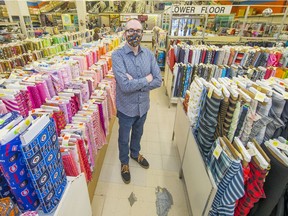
x,y
155,71
124,83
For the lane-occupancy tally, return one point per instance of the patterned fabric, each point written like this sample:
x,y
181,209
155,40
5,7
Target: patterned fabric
x,y
5,188
3,109
7,118
69,164
17,176
218,166
253,190
228,176
133,95
42,155
208,123
229,115
8,208
224,105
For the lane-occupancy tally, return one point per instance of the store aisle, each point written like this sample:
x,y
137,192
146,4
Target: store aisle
x,y
111,195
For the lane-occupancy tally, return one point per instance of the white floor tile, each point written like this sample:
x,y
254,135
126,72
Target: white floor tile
x,y
116,206
143,209
171,163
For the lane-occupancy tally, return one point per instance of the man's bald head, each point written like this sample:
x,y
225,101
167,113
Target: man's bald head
x,y
133,24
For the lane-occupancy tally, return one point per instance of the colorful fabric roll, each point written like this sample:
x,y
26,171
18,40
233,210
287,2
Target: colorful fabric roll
x,y
42,156
8,208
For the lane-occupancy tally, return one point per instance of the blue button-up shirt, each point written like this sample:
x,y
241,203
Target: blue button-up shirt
x,y
132,96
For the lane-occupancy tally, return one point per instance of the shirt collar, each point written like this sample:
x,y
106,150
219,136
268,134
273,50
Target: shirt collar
x,y
127,49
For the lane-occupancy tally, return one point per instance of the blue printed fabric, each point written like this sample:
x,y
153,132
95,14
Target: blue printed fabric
x,y
5,188
45,166
15,172
7,118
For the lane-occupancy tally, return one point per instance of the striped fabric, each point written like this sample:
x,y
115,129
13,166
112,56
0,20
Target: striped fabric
x,y
229,115
230,189
241,120
221,117
208,123
234,122
218,166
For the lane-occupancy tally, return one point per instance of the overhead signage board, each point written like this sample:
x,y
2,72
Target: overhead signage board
x,y
201,9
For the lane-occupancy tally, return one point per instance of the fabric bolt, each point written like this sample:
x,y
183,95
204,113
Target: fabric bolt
x,y
5,188
69,164
7,207
43,92
218,167
234,122
274,186
221,117
284,117
44,163
194,102
253,190
3,109
17,176
84,162
274,125
248,125
259,125
5,119
60,121
34,96
229,114
263,110
241,120
230,188
208,123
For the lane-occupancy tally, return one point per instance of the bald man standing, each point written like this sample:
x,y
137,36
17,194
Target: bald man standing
x,y
137,73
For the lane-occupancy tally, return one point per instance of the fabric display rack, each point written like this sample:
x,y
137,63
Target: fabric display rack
x,y
18,54
209,61
239,128
55,116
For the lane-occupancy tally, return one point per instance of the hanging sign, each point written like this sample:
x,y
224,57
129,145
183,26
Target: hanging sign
x,y
201,9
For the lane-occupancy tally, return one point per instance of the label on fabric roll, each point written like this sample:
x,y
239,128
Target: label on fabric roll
x,y
217,151
260,97
280,145
2,121
285,95
66,139
210,92
251,152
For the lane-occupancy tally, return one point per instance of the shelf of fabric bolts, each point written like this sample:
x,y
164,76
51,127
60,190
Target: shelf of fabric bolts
x,y
99,162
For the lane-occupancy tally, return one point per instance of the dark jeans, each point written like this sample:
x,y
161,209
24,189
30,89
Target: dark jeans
x,y
127,123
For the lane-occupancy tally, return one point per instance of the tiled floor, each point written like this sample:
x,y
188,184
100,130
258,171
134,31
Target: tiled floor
x,y
111,195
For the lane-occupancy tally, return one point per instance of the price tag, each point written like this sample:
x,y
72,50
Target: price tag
x,y
16,131
217,151
85,107
271,80
2,121
260,97
66,139
283,146
251,152
275,143
69,90
285,95
27,122
210,92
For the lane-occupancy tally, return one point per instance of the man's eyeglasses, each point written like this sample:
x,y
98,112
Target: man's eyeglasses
x,y
132,31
